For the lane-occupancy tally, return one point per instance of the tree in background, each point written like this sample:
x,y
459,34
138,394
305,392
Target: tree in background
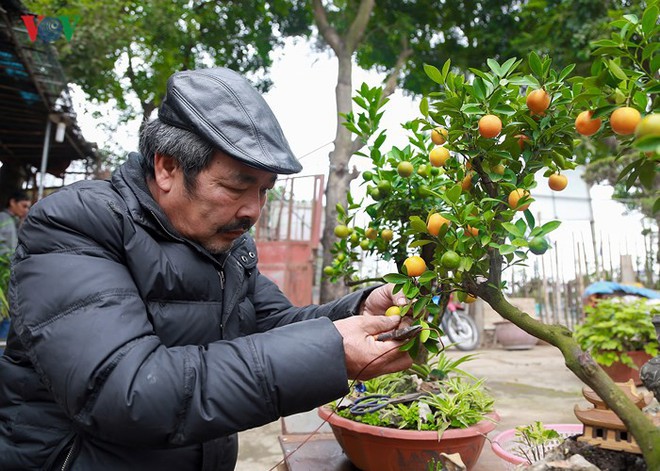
x,y
123,52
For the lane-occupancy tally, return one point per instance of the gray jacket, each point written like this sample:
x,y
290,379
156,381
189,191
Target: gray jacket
x,y
133,348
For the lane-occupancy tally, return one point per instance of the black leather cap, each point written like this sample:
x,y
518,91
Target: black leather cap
x,y
222,107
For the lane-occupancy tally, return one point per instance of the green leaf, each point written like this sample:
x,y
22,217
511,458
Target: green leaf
x,y
479,88
424,107
427,276
506,249
434,74
396,278
531,223
417,224
549,227
454,193
649,19
419,306
445,69
507,66
494,66
471,109
566,71
616,70
535,63
513,229
647,143
504,109
604,43
519,242
647,174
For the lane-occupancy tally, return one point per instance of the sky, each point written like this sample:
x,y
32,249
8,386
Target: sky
x,y
302,99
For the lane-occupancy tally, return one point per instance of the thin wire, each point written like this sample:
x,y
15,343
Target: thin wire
x,y
312,151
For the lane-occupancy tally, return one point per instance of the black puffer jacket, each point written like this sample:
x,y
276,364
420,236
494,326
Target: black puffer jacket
x,y
119,354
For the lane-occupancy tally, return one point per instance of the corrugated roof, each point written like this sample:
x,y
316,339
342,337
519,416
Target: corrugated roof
x,y
32,87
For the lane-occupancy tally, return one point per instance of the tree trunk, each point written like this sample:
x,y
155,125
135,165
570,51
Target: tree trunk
x,y
339,177
586,369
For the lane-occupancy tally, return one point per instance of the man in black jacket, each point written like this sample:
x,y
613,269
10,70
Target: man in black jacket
x,y
143,335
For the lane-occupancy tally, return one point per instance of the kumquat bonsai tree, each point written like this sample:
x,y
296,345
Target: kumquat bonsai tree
x,y
454,207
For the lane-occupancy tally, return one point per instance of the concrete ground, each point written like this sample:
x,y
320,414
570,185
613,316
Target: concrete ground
x,y
528,385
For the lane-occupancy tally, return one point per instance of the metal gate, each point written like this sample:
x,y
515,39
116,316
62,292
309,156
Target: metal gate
x,y
288,235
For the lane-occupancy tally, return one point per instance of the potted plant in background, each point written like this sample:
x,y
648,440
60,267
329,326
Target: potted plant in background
x,y
450,208
530,443
406,420
619,334
512,337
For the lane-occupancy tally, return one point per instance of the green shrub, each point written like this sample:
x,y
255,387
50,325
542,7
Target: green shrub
x,y
613,327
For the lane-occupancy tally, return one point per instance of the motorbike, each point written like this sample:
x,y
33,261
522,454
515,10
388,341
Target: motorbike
x,y
458,328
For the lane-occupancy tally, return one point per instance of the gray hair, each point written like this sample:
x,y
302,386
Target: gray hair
x,y
191,152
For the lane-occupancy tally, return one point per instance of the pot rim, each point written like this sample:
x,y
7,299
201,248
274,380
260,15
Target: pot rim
x,y
483,427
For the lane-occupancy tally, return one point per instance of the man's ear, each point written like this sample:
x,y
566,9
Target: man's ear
x,y
165,169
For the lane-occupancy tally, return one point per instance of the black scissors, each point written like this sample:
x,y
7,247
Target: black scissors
x,y
375,402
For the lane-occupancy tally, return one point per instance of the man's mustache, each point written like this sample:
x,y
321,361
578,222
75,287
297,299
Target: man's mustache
x,y
242,224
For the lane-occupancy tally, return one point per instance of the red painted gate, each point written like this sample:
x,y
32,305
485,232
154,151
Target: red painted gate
x,y
288,235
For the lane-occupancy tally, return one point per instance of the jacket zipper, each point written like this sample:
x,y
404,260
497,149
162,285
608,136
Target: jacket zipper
x,y
69,455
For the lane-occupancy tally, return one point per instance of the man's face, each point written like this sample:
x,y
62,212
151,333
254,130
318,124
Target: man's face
x,y
19,208
225,202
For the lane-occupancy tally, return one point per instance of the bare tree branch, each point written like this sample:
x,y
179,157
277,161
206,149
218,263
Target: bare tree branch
x,y
356,31
325,29
391,82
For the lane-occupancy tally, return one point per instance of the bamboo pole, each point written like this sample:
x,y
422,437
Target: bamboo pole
x,y
544,288
557,293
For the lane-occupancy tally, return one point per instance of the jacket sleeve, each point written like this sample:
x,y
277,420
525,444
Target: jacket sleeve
x,y
86,330
274,308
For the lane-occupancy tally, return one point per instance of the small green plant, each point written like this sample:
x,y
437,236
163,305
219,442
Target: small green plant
x,y
453,399
613,327
535,441
4,286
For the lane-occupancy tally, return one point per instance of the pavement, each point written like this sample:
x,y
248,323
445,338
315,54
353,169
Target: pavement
x,y
528,385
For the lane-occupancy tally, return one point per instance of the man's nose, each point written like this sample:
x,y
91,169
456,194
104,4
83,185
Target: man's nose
x,y
252,204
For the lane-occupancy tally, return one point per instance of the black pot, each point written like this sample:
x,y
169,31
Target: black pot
x,y
656,324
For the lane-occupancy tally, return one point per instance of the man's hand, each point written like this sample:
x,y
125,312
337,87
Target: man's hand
x,y
365,356
381,298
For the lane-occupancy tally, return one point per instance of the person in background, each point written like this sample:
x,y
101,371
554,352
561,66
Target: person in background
x,y
143,335
10,219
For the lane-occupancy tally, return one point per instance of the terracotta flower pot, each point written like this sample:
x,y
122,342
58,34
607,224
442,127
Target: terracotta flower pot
x,y
621,373
372,448
512,337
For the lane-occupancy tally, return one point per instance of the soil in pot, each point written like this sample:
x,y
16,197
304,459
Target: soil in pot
x,y
605,460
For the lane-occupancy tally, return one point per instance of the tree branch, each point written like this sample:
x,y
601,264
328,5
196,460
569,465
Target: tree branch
x,y
391,82
358,27
326,31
